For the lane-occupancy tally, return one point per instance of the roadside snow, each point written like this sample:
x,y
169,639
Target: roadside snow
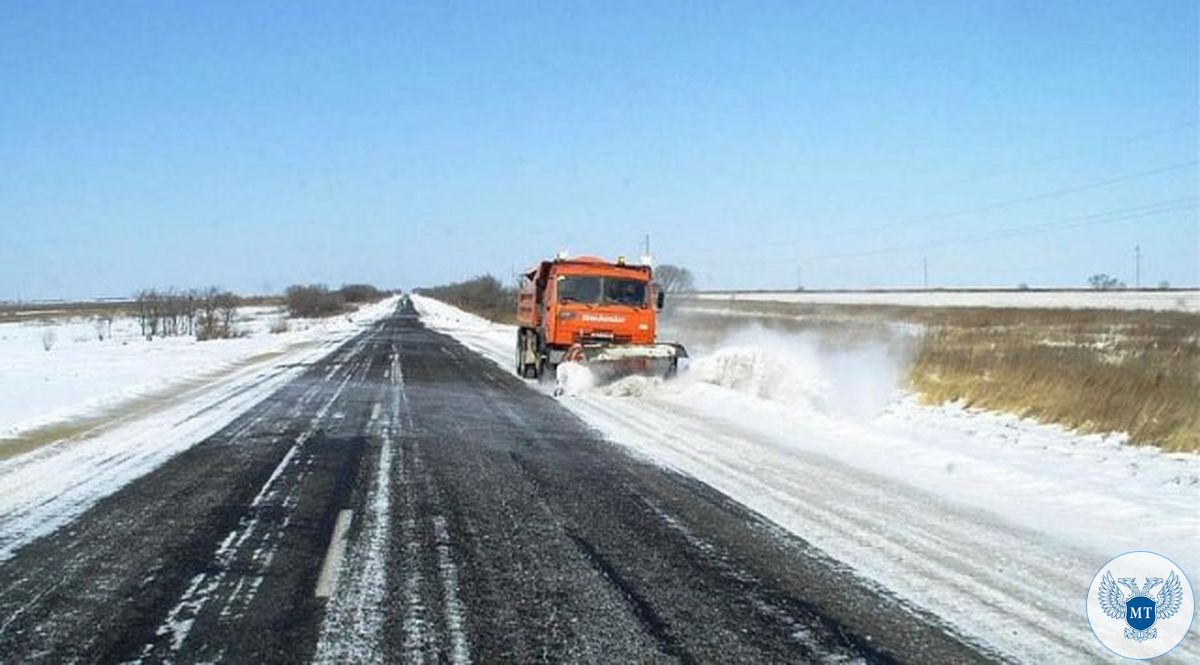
x,y
47,486
978,517
81,374
1183,300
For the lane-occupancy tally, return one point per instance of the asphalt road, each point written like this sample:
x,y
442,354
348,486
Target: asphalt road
x,y
487,524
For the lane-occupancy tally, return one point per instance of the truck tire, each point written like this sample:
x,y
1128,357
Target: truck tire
x,y
525,340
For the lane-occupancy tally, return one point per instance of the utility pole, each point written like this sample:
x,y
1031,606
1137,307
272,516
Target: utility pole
x,y
1137,261
925,270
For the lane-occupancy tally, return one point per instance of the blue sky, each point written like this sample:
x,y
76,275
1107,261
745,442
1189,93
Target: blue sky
x,y
253,145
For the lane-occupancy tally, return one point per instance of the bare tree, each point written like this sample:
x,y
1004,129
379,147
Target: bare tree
x,y
149,304
215,311
674,279
227,306
170,313
187,306
207,316
1105,282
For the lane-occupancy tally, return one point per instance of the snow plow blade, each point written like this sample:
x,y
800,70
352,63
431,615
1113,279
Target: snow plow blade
x,y
612,362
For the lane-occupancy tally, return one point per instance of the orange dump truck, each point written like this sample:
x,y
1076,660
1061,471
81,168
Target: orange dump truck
x,y
590,311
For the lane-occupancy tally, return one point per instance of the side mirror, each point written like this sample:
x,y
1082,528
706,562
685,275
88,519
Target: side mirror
x,y
660,298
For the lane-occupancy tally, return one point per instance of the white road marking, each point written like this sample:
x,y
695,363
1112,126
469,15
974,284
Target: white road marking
x,y
181,618
327,580
353,628
455,612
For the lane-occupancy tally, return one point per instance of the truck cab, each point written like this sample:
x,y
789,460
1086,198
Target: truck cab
x,y
586,301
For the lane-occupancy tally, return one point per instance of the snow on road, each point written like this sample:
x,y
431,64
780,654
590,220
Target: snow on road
x,y
979,517
44,488
1179,300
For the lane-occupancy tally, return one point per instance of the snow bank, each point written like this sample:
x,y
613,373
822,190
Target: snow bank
x,y
975,516
494,341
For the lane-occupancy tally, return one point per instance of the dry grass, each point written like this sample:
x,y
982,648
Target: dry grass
x,y
1091,370
1143,379
18,312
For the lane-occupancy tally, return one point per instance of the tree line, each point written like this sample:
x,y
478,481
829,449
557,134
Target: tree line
x,y
313,300
483,295
212,312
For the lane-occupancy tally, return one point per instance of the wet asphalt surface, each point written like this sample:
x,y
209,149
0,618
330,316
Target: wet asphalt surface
x,y
489,524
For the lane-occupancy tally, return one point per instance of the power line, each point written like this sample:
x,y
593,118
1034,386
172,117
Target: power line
x,y
1076,221
1050,159
988,207
1023,199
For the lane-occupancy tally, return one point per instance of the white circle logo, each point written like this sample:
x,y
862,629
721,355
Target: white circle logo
x,y
1140,605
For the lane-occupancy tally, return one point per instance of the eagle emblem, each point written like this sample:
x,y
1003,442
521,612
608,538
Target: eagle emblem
x,y
1138,608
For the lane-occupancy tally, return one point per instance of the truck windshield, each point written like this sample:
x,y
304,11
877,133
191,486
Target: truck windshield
x,y
625,291
594,290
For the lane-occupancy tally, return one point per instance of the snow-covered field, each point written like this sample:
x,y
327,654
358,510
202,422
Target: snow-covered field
x,y
141,403
1186,301
978,517
83,374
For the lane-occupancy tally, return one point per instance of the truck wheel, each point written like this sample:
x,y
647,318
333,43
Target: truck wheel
x,y
524,370
532,369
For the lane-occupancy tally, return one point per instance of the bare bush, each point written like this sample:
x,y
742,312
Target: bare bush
x,y
103,326
1105,282
49,337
